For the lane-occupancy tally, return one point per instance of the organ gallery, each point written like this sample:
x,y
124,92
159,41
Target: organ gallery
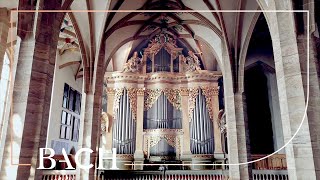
x,y
163,107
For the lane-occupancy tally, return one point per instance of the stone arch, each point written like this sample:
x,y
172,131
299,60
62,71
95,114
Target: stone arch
x,y
243,53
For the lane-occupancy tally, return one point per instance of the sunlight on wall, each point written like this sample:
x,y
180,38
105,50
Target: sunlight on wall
x,y
17,125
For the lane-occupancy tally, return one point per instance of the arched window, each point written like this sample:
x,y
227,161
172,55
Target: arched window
x,y
4,86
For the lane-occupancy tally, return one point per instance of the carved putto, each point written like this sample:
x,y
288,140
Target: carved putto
x,y
222,121
105,122
192,62
134,64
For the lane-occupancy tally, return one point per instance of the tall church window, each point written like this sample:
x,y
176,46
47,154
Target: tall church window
x,y
70,116
4,86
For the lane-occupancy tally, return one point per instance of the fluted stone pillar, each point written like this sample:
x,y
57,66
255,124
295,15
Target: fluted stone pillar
x,y
138,155
4,32
185,149
217,134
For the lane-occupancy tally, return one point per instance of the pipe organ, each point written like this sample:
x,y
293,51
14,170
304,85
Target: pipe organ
x,y
163,107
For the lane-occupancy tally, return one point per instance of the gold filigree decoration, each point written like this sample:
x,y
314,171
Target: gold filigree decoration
x,y
152,95
132,93
193,93
171,140
154,140
117,96
174,97
208,92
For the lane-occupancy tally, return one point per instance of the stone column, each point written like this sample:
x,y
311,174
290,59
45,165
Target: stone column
x,y
185,147
20,96
4,32
235,125
138,155
242,135
85,137
292,100
218,153
314,94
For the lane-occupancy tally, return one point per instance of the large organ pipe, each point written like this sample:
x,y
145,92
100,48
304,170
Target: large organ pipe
x,y
124,127
201,128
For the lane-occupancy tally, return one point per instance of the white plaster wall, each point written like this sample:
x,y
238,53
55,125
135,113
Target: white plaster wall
x,y
61,76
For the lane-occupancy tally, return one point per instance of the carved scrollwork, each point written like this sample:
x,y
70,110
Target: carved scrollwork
x,y
171,140
193,93
208,92
132,93
117,96
151,96
174,97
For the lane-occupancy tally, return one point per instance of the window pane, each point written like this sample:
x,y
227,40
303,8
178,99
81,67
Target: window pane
x,y
62,132
69,119
67,133
63,117
65,102
71,99
78,103
75,129
66,90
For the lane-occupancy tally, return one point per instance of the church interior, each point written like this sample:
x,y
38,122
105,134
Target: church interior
x,y
160,89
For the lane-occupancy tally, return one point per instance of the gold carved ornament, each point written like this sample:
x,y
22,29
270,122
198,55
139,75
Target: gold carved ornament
x,y
154,140
132,93
208,92
174,97
193,93
152,95
117,96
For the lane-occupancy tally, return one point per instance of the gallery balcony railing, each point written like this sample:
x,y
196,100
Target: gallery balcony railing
x,y
58,175
275,162
168,175
270,174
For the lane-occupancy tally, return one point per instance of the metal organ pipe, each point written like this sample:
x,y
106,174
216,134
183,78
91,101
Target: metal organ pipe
x,y
201,128
124,127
